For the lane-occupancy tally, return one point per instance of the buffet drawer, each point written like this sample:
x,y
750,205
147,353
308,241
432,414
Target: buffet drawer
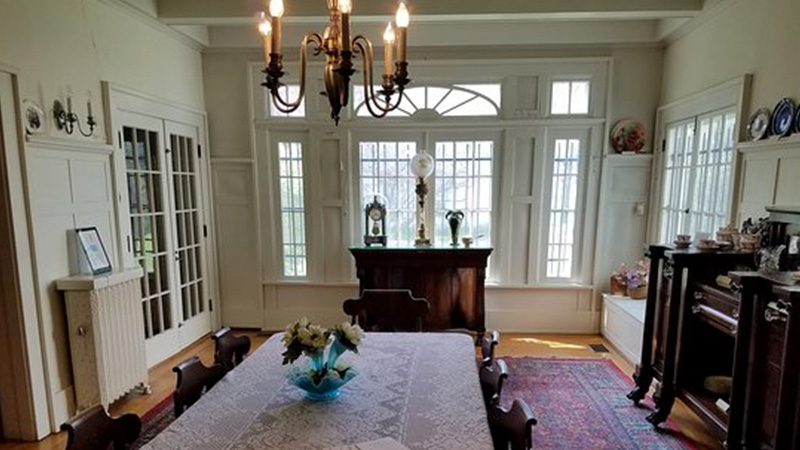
x,y
716,307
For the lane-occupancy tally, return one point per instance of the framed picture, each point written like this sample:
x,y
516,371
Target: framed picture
x,y
94,250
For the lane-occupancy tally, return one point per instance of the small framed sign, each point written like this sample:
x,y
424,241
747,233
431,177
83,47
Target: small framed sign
x,y
95,251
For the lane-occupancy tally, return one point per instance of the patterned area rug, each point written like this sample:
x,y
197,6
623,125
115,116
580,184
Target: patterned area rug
x,y
581,404
154,422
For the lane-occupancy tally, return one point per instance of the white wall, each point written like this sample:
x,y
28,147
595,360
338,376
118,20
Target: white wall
x,y
62,46
750,36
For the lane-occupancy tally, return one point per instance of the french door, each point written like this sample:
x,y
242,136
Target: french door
x,y
697,174
164,187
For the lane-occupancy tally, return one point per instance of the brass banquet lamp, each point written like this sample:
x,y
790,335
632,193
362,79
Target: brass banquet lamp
x,y
422,168
340,52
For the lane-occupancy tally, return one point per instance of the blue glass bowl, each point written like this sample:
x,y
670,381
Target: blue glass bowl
x,y
329,387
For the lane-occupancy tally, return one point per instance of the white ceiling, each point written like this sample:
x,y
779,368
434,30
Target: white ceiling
x,y
452,23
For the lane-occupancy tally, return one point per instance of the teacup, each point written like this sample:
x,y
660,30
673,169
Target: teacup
x,y
684,238
467,241
707,242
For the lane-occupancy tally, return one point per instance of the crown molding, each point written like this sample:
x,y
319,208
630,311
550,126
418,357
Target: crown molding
x,y
155,24
715,8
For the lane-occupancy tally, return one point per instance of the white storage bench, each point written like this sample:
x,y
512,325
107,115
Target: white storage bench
x,y
623,324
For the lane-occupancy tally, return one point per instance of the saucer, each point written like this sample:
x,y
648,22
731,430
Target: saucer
x,y
682,244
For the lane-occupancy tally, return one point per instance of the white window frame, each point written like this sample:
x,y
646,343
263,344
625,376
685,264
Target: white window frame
x,y
581,257
275,138
570,79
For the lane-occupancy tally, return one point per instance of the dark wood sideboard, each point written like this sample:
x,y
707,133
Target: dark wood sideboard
x,y
451,279
699,331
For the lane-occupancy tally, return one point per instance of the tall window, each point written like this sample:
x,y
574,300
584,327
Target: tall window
x,y
697,175
463,180
384,170
293,220
563,208
570,97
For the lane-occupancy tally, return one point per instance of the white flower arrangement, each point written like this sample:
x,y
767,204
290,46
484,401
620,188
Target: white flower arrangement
x,y
302,338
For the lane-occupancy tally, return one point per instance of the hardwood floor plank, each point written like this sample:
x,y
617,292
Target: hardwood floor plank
x,y
162,379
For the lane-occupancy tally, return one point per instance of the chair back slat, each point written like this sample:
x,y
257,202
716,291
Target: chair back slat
x,y
488,347
194,379
512,427
93,429
387,310
229,350
492,379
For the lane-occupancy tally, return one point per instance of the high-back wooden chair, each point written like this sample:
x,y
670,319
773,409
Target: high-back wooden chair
x,y
229,350
492,379
512,427
387,310
488,346
194,379
93,429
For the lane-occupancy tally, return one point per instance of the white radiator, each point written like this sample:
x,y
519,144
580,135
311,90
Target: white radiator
x,y
106,336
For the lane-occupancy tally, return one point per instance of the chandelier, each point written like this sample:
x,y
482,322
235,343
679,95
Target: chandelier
x,y
340,51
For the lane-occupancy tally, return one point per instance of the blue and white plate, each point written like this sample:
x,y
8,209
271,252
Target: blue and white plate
x,y
797,121
782,117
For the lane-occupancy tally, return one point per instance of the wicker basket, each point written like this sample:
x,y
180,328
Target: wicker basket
x,y
638,293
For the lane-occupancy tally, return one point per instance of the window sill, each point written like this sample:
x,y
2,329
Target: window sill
x,y
489,285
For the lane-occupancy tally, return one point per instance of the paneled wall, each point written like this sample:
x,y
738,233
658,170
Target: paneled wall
x,y
770,171
70,187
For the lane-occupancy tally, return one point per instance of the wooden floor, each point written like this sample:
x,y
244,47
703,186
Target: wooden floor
x,y
162,380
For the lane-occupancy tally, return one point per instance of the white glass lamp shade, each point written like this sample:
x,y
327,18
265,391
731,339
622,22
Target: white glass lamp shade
x,y
422,165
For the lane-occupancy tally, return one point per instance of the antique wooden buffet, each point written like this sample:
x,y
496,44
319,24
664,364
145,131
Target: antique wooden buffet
x,y
728,347
451,279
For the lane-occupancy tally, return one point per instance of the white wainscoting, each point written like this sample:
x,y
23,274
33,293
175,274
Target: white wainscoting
x,y
769,173
70,186
562,309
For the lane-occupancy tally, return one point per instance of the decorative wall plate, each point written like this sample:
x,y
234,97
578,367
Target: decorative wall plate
x,y
628,135
33,117
782,117
758,124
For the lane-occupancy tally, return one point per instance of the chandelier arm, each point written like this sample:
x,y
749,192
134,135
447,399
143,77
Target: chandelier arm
x,y
364,46
289,107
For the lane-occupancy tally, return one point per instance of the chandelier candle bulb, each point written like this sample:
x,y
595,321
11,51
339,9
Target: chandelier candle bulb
x,y
276,11
265,29
345,7
401,20
388,40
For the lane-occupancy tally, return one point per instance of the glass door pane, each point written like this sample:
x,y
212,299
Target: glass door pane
x,y
145,177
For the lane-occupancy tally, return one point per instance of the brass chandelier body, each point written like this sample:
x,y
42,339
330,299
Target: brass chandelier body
x,y
340,51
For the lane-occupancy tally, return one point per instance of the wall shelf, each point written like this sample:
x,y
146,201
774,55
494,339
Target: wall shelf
x,y
775,143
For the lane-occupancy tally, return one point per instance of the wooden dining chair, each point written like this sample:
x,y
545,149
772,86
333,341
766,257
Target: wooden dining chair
x,y
492,379
93,429
512,427
488,345
229,350
194,379
387,310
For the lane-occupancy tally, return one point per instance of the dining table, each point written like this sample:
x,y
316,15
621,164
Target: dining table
x,y
420,389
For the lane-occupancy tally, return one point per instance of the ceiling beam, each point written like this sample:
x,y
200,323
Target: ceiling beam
x,y
215,12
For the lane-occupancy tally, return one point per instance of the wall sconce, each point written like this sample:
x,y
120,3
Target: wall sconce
x,y
66,119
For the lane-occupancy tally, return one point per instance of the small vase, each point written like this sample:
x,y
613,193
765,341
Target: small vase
x,y
454,219
328,388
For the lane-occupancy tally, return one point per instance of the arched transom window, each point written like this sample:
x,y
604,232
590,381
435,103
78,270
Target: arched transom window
x,y
459,100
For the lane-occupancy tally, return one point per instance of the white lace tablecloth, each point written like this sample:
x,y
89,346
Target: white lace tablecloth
x,y
420,389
